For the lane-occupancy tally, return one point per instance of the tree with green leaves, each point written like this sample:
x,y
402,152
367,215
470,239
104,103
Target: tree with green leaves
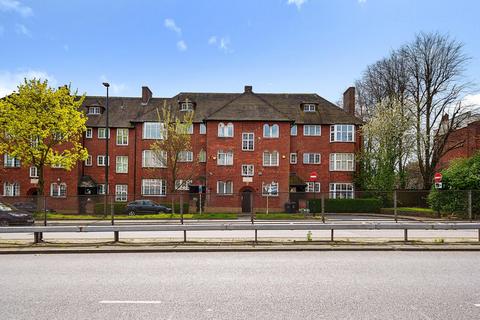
x,y
42,127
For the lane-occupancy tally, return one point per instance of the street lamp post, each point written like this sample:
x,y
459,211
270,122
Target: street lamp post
x,y
107,158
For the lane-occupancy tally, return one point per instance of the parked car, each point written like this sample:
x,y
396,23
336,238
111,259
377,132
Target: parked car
x,y
145,207
29,207
9,215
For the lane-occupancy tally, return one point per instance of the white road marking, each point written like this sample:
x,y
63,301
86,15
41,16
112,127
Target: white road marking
x,y
130,301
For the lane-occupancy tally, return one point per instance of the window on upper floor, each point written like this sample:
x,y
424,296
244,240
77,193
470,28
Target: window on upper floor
x,y
202,156
293,158
153,130
342,133
186,106
312,130
248,170
11,189
309,107
10,162
293,130
122,137
89,133
185,156
270,131
154,159
311,158
89,161
33,172
121,164
248,141
94,110
342,162
224,158
270,159
203,128
225,130
102,160
102,133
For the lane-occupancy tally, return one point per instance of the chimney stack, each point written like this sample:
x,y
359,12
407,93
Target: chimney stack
x,y
248,89
146,94
349,100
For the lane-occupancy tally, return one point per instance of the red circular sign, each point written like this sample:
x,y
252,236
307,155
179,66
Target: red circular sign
x,y
437,177
313,176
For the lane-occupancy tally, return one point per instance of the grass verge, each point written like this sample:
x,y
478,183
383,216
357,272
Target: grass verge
x,y
161,216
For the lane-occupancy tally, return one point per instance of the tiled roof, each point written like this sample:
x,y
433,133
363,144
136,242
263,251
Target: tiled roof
x,y
124,111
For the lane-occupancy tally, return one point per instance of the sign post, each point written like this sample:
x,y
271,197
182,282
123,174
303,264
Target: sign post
x,y
437,178
313,178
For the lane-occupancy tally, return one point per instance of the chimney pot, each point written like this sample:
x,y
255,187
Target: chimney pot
x,y
146,94
248,89
349,100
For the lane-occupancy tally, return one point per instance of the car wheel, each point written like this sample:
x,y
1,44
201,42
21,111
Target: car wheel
x,y
131,213
3,223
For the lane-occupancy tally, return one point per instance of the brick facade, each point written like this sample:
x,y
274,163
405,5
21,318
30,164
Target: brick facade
x,y
255,110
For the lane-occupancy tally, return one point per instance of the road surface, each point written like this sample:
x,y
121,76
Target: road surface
x,y
260,285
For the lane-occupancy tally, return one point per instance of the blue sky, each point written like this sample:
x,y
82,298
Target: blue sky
x,y
317,46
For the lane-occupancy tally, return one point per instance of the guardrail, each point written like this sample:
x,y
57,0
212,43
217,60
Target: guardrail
x,y
39,230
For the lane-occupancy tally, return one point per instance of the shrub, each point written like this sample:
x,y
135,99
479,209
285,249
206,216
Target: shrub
x,y
371,205
119,207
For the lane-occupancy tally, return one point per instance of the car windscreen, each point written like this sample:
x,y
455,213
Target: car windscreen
x,y
5,207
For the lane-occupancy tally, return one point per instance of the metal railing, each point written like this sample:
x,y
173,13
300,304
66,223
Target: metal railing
x,y
39,230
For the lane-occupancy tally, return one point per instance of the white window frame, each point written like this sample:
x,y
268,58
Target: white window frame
x,y
342,162
267,189
309,107
311,185
121,164
269,156
202,129
101,188
121,192
89,161
89,133
224,158
10,162
104,131
271,131
11,189
94,110
185,156
226,130
121,137
154,187
33,172
342,133
153,131
186,106
293,130
310,130
183,185
293,158
248,170
101,163
58,190
341,190
154,162
307,158
248,141
222,187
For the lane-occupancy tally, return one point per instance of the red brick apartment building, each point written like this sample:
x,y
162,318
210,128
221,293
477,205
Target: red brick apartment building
x,y
467,139
248,144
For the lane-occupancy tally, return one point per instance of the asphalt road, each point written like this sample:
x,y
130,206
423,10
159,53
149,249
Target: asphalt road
x,y
260,285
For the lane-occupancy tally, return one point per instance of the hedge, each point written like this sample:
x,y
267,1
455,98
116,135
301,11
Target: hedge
x,y
119,207
371,205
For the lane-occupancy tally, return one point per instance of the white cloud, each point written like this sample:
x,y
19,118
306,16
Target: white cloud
x,y
298,3
472,100
115,88
10,80
15,6
22,30
222,43
181,45
170,24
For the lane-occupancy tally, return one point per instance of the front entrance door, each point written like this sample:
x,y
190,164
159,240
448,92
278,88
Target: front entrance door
x,y
247,201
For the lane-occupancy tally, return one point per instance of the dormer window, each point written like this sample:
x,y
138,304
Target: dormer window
x,y
93,110
309,107
186,106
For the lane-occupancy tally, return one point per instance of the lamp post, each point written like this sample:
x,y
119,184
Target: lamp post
x,y
107,158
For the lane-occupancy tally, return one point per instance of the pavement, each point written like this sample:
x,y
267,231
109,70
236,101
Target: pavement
x,y
242,285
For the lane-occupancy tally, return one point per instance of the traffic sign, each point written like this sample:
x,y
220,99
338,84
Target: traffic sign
x,y
437,177
313,176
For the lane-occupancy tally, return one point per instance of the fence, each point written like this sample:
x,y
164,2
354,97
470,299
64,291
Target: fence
x,y
463,204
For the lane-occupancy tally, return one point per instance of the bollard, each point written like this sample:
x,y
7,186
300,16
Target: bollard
x,y
395,205
323,206
478,235
184,235
256,238
405,234
36,237
116,236
470,205
331,235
